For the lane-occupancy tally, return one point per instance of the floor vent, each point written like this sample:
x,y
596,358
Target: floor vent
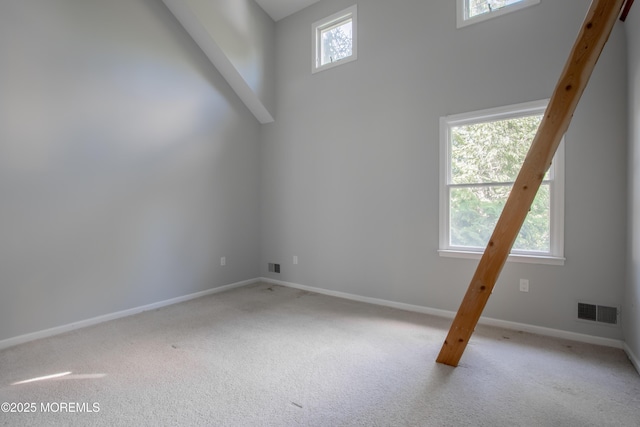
x,y
598,313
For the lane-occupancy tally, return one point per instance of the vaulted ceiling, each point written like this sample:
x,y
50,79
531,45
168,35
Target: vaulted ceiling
x,y
279,9
196,17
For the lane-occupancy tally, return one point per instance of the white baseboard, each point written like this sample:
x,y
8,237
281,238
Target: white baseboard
x,y
556,333
10,342
376,301
549,332
634,359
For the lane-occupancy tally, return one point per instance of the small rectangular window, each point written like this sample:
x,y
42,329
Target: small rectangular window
x,y
335,40
472,11
481,154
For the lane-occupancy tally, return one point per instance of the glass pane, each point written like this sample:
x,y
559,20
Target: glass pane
x,y
535,234
336,43
491,151
474,213
478,7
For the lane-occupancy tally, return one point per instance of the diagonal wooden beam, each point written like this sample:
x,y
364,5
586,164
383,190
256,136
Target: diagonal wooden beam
x,y
593,35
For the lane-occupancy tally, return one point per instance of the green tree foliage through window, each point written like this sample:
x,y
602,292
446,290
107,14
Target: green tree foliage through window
x,y
485,159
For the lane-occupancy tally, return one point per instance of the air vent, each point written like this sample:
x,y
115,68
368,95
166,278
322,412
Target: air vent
x,y
608,315
587,311
274,268
598,313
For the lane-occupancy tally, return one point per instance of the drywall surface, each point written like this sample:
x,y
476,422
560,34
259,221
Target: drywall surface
x,y
127,164
631,304
350,168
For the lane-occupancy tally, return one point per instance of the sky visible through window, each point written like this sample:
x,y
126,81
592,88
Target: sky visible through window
x,y
479,7
337,43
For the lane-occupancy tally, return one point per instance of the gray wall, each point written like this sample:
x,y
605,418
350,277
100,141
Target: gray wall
x,y
350,168
631,313
127,164
128,167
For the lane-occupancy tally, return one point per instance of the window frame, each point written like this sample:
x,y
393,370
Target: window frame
x,y
462,12
337,19
555,256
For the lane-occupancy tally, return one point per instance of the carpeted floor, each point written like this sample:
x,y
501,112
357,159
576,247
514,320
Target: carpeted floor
x,y
265,355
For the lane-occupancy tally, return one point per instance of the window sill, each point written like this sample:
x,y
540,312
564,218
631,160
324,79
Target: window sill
x,y
528,259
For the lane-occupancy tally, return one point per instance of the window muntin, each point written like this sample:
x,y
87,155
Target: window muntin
x,y
472,11
335,40
482,153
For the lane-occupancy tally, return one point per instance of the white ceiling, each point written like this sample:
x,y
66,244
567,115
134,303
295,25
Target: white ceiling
x,y
279,9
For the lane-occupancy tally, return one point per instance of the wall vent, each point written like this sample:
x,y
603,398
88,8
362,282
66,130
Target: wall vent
x,y
598,313
274,268
608,315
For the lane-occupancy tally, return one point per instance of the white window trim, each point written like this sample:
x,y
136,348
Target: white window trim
x,y
463,20
319,26
556,253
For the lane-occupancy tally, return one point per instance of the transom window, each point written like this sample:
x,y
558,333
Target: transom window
x,y
335,40
472,11
481,155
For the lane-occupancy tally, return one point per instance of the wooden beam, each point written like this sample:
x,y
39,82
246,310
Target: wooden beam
x,y
593,35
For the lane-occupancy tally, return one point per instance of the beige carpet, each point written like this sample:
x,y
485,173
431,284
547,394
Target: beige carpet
x,y
265,355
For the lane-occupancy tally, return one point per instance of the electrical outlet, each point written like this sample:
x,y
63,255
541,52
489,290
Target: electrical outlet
x,y
524,285
223,261
295,259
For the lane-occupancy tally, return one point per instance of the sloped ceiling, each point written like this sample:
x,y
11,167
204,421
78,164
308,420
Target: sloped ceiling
x,y
192,15
278,9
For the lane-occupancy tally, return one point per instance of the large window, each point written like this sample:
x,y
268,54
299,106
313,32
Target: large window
x,y
335,40
471,11
481,156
